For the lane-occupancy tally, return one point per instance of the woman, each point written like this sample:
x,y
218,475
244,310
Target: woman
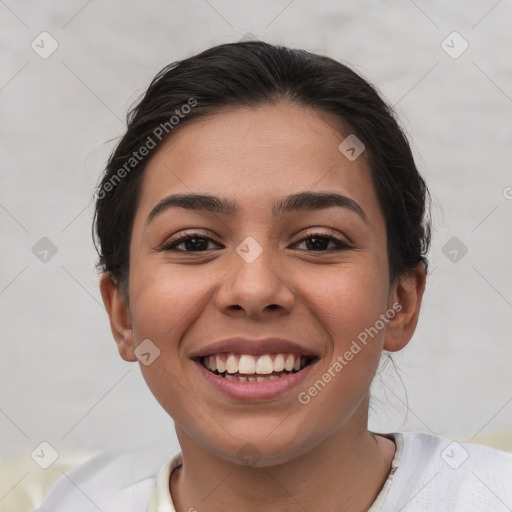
x,y
262,231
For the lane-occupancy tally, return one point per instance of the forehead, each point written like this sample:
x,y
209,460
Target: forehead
x,y
252,154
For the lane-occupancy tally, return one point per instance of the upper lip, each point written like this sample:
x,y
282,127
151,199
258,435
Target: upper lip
x,y
241,345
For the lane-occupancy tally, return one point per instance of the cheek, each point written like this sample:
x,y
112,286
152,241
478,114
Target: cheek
x,y
166,302
348,300
348,304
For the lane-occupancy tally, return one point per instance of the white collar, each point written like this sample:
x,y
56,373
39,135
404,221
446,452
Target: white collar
x,y
161,499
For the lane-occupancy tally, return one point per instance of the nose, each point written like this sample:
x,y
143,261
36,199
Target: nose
x,y
255,288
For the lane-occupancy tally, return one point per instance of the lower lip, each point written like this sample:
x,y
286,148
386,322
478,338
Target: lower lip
x,y
264,390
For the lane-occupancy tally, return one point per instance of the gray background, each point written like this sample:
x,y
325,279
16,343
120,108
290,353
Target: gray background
x,y
62,380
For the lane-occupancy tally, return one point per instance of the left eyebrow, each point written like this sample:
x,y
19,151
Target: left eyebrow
x,y
316,201
301,201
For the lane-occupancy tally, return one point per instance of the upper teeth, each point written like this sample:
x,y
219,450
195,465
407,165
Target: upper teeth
x,y
248,364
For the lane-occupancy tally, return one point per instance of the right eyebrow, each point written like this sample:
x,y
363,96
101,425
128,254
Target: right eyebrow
x,y
205,202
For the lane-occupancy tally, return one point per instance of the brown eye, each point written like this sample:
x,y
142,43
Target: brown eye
x,y
192,242
320,242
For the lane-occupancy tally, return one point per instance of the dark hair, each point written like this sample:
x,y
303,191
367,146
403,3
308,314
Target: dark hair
x,y
247,74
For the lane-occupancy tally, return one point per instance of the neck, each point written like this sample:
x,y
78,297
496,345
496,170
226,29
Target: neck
x,y
348,468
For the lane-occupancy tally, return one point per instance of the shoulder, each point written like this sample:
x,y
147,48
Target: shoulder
x,y
443,453
109,481
436,473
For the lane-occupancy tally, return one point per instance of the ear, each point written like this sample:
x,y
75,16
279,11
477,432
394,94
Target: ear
x,y
119,316
405,300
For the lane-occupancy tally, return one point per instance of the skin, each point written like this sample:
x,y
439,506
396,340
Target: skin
x,y
314,456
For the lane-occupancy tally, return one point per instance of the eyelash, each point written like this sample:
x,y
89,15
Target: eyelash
x,y
172,244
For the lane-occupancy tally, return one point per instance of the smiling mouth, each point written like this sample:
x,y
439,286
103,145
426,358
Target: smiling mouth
x,y
249,368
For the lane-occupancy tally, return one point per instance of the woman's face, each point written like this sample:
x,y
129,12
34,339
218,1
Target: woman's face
x,y
313,272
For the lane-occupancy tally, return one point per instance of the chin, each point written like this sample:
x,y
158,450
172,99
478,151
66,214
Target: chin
x,y
262,449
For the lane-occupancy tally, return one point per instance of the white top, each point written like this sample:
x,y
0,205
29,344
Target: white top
x,y
428,473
